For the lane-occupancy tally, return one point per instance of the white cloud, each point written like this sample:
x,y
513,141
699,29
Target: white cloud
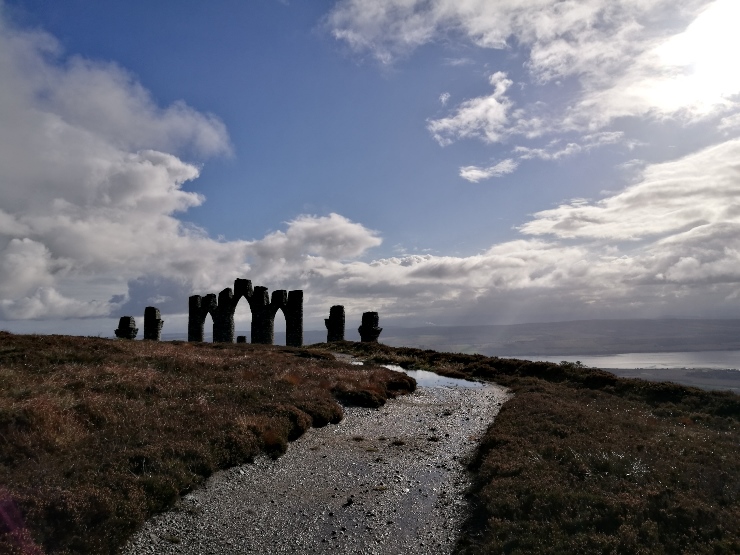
x,y
47,303
88,189
671,197
685,214
485,117
685,74
653,58
91,205
457,62
729,123
474,174
444,98
555,150
91,194
307,241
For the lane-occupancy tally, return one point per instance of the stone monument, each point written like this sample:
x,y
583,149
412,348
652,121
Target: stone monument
x,y
335,324
263,310
126,328
152,323
369,330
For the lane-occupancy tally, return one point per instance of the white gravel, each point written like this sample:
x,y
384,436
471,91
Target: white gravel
x,y
388,480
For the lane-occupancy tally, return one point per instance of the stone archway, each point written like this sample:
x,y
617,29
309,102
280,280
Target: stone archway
x,y
199,308
263,310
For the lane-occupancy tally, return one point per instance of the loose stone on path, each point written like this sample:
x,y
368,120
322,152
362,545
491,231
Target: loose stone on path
x,y
382,481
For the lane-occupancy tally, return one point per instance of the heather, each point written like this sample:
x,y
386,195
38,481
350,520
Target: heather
x,y
580,461
97,435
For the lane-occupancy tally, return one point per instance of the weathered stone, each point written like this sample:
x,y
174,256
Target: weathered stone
x,y
126,328
199,308
152,323
223,317
294,319
263,320
263,314
369,330
335,324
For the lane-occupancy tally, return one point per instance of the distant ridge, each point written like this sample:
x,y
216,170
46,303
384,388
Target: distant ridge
x,y
580,337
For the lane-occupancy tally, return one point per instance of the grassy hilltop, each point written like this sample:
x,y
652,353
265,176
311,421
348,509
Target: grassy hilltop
x,y
97,435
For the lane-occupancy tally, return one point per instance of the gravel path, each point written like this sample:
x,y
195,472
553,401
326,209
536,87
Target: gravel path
x,y
388,480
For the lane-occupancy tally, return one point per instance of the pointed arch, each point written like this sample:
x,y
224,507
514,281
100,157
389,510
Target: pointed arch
x,y
262,307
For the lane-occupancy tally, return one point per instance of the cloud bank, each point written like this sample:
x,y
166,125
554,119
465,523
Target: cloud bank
x,y
93,204
90,183
669,244
651,60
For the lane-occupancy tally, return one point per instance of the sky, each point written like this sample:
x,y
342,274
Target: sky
x,y
442,162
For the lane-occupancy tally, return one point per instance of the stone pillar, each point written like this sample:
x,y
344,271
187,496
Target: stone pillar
x,y
294,319
263,320
126,328
195,323
335,324
199,308
223,317
152,323
369,330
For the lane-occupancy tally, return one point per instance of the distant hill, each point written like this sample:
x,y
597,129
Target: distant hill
x,y
581,337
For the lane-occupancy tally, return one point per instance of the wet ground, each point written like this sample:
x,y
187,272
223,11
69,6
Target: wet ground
x,y
382,481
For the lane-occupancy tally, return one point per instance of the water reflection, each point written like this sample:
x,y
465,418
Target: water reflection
x,y
430,379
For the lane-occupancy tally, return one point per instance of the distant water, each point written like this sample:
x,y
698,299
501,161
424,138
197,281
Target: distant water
x,y
700,359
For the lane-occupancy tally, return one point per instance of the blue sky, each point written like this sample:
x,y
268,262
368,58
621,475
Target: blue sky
x,y
442,162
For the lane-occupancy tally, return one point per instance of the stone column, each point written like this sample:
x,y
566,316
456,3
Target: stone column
x,y
223,317
263,320
152,323
369,330
335,324
126,328
294,319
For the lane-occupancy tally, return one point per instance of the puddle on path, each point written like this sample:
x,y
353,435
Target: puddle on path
x,y
425,378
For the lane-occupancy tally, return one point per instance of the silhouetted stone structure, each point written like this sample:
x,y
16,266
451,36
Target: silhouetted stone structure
x,y
369,330
241,338
294,319
152,323
335,324
263,311
199,308
126,328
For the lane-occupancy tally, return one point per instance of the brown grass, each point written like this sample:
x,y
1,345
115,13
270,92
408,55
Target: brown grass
x,y
97,435
580,461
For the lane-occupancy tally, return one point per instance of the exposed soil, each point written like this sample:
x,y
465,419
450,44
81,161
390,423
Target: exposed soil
x,y
387,480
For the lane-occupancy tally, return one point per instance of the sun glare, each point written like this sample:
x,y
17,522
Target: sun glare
x,y
699,64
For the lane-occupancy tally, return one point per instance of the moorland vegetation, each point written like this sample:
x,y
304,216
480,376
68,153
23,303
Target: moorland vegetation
x,y
581,461
97,435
